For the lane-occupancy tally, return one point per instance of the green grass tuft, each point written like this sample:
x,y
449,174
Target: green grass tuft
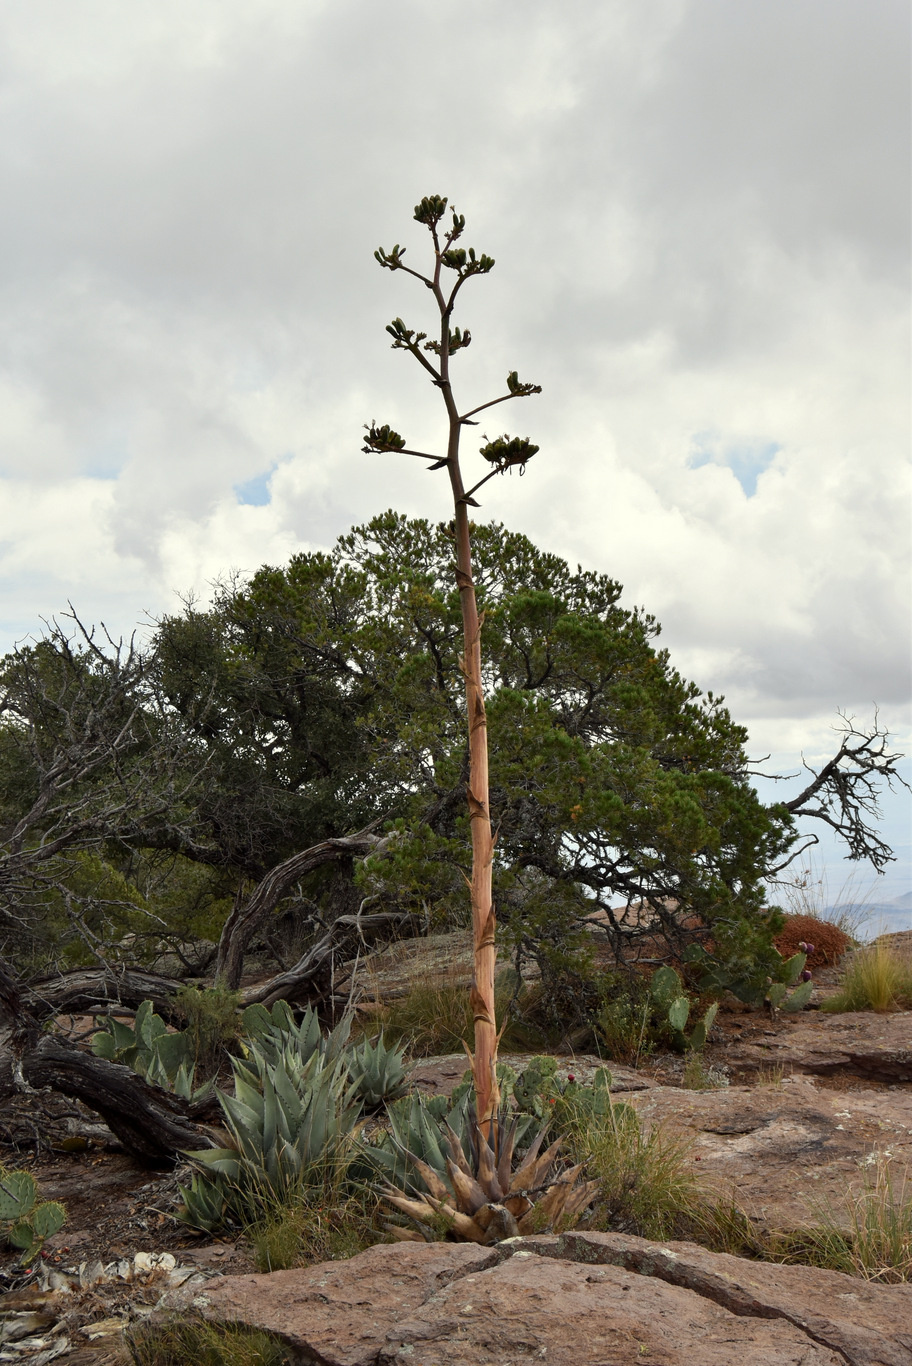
x,y
878,977
303,1233
646,1185
876,1243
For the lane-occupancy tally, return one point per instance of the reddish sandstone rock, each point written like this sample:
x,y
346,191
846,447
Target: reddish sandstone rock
x,y
576,1300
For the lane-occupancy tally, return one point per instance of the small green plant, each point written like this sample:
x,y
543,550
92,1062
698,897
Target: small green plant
x,y
749,987
877,978
213,1023
667,992
276,1033
182,1340
699,1077
328,1225
645,1184
624,1020
24,1223
376,1070
538,1091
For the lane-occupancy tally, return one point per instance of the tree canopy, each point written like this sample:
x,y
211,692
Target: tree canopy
x,y
325,698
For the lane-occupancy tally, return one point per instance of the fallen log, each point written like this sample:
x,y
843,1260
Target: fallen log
x,y
151,1124
85,989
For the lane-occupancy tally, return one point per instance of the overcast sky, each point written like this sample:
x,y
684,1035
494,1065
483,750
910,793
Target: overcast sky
x,y
699,211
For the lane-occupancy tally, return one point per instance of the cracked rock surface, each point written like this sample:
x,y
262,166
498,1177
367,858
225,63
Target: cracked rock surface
x,y
788,1149
577,1300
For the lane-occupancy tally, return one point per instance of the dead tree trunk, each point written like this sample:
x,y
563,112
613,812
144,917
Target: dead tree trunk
x,y
247,916
309,978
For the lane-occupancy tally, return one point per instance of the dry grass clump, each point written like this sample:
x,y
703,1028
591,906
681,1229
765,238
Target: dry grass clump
x,y
180,1341
435,1014
830,942
878,977
876,1244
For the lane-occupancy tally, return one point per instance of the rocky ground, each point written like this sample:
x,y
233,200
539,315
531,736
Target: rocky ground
x,y
576,1300
802,1106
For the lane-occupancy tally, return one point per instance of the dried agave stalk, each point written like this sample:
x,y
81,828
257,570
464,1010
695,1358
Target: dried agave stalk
x,y
485,1200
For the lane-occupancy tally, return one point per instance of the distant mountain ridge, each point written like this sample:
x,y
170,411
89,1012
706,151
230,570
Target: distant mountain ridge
x,y
875,917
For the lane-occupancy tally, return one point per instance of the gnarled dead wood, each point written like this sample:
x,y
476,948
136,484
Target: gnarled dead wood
x,y
247,916
310,978
151,1124
72,993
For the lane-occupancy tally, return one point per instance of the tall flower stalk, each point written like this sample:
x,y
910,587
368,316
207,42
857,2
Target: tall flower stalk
x,y
433,354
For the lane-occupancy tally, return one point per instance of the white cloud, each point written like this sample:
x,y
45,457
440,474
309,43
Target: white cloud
x,y
699,212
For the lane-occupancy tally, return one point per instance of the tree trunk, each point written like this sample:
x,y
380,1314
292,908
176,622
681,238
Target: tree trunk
x,y
246,917
484,921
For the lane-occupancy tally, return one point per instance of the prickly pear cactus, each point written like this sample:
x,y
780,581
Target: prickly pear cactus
x,y
23,1223
667,991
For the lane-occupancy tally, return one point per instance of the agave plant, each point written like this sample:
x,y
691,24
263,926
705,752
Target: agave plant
x,y
466,1183
276,1031
288,1119
377,1072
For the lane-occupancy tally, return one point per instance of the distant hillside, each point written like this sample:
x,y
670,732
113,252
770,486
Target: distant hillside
x,y
875,917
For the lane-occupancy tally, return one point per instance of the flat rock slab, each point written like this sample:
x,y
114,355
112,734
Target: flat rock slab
x,y
788,1148
340,1312
858,1043
576,1300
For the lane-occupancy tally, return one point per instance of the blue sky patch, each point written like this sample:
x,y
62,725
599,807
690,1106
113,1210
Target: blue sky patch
x,y
256,491
746,462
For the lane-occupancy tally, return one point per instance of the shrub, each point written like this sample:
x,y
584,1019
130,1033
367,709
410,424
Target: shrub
x,y
829,941
878,977
624,1023
212,1023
